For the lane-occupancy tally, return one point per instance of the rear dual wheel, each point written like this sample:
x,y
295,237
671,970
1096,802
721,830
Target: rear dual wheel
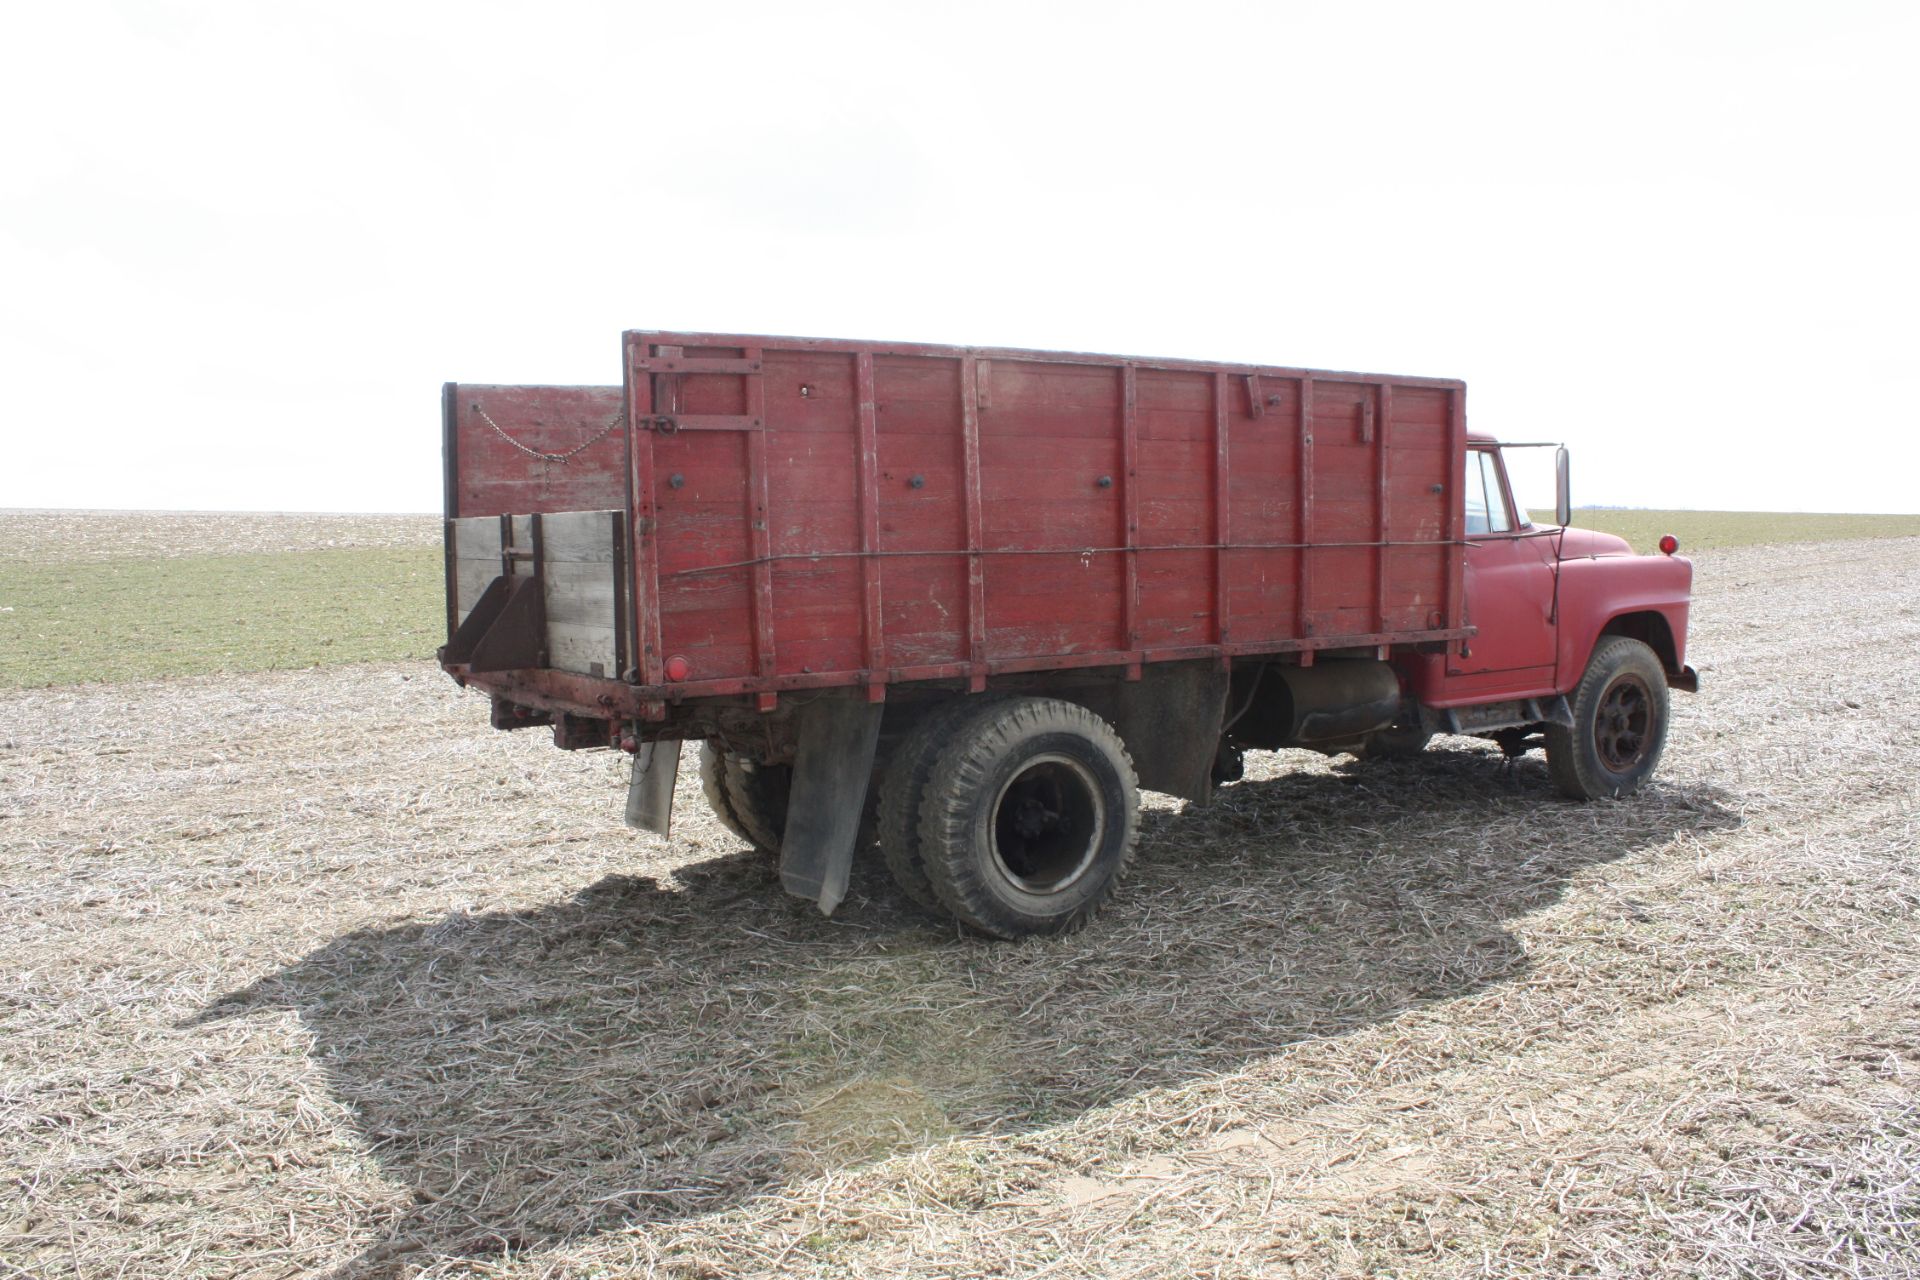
x,y
903,784
1027,816
749,798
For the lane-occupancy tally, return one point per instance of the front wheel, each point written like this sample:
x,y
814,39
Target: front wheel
x,y
1028,818
1620,712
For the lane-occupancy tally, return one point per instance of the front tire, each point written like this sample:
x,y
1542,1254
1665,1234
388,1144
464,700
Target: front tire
x,y
1028,818
1620,713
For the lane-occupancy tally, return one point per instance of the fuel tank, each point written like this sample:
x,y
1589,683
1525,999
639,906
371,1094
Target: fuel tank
x,y
1333,701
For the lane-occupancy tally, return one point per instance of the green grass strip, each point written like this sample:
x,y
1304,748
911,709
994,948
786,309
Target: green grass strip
x,y
68,622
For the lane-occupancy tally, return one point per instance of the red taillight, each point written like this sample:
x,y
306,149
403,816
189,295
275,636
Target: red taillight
x,y
1669,544
678,668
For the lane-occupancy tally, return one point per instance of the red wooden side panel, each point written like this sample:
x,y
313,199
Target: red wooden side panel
x,y
1050,483
488,476
1175,486
813,500
922,509
706,614
1345,512
1422,464
1263,568
818,512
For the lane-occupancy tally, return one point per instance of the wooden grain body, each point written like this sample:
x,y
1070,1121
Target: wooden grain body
x,y
807,512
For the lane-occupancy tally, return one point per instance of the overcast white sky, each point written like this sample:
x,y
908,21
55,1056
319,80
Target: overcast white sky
x,y
242,245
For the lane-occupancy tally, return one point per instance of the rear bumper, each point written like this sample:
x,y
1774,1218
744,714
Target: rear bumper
x,y
544,689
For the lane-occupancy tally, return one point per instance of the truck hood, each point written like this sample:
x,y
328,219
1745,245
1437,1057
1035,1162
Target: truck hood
x,y
1581,543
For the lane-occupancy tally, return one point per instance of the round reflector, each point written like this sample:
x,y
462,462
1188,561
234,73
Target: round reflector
x,y
1669,544
678,668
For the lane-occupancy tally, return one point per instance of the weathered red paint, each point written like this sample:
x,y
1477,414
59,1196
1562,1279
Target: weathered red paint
x,y
807,514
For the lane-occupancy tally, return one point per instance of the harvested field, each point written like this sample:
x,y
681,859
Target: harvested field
x,y
1715,530
92,536
311,973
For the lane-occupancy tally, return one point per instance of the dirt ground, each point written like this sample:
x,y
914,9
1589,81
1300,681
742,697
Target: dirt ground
x,y
313,974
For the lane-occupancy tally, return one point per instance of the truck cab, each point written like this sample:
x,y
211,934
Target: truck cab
x,y
1546,603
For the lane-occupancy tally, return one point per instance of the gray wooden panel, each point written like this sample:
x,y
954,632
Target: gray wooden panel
x,y
576,553
578,537
470,578
577,573
476,560
580,649
582,593
476,537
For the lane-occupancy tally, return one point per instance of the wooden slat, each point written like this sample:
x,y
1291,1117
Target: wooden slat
x,y
470,580
580,591
1452,612
760,539
450,485
664,363
1382,527
580,648
717,422
1222,511
873,633
976,575
578,537
645,534
1304,513
477,538
1130,499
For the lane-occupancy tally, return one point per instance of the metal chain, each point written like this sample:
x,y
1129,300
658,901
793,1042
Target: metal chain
x,y
612,422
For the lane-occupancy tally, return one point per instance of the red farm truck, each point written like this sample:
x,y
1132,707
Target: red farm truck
x,y
963,603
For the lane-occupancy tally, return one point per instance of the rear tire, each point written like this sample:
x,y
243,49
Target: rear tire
x,y
713,784
903,785
750,799
1028,818
1620,713
758,794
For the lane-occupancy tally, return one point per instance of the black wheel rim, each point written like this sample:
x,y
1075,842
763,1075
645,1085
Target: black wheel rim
x,y
1623,724
1048,822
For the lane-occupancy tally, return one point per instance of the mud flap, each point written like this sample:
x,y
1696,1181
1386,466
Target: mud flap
x,y
650,790
838,737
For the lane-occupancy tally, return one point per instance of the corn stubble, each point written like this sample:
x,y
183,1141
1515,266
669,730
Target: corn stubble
x,y
310,970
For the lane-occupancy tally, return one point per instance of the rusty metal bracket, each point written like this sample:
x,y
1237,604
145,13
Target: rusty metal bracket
x,y
506,630
668,424
661,362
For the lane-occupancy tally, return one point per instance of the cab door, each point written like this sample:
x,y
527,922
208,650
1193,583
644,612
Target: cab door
x,y
1510,576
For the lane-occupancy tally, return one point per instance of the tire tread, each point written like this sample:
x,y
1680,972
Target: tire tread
x,y
1568,749
952,793
902,786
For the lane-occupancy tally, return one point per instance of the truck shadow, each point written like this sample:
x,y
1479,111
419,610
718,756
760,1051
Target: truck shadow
x,y
647,1051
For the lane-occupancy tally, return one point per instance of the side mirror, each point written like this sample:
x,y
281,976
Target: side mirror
x,y
1562,500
